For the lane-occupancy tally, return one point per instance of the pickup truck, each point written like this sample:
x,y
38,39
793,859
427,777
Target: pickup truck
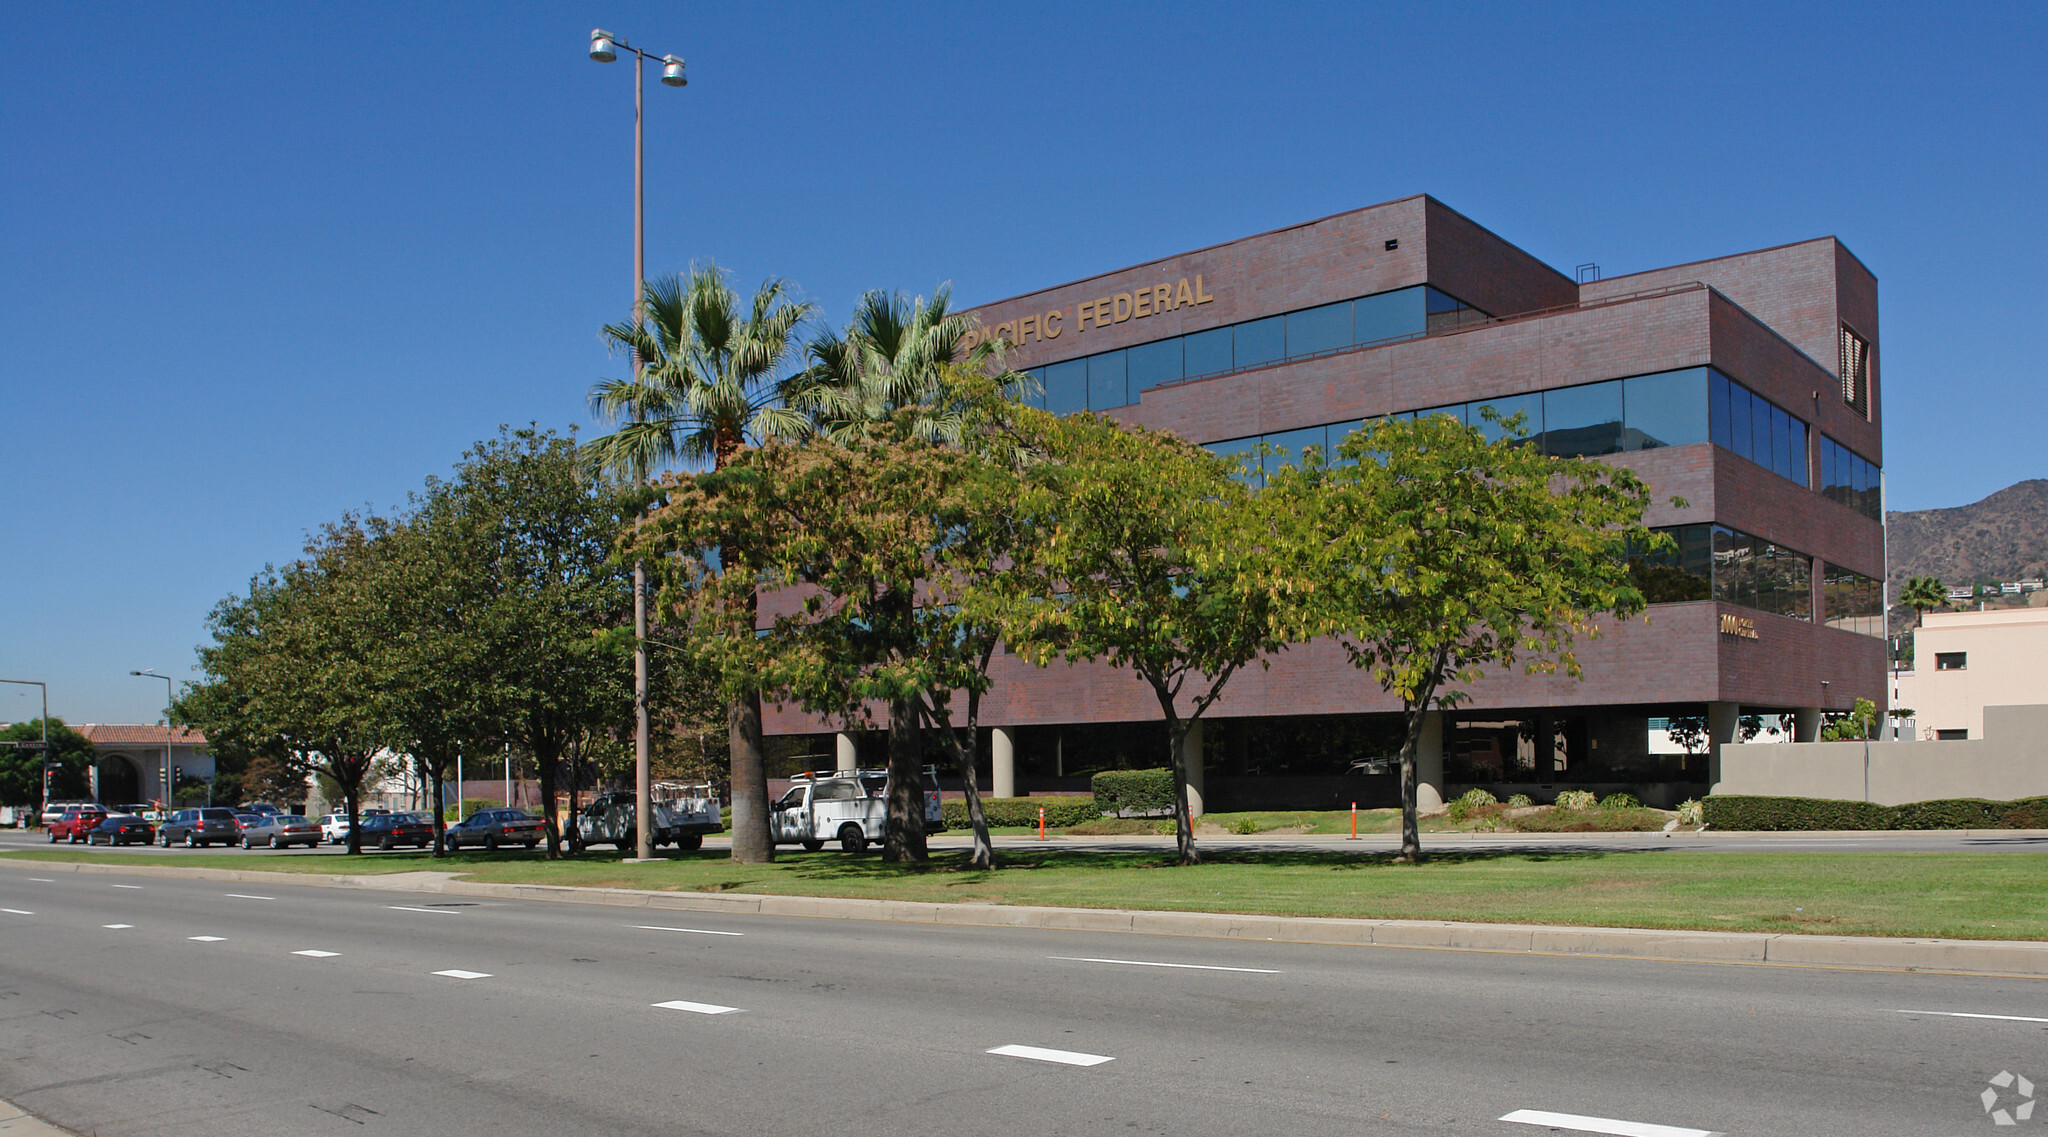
x,y
683,813
848,806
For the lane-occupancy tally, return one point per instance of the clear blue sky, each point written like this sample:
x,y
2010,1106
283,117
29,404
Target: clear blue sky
x,y
269,262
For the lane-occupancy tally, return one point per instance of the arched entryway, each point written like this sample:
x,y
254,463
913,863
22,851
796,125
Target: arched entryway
x,y
120,780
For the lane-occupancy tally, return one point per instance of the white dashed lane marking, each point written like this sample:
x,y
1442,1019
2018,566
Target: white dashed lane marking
x,y
428,911
16,912
1579,1124
1147,963
316,953
207,939
693,931
457,973
1041,1054
246,896
135,886
116,926
1967,1015
44,879
700,1008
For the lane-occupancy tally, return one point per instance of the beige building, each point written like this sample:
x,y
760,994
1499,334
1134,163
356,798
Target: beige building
x,y
1966,661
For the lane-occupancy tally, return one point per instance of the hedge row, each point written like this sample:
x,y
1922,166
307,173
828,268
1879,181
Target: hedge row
x,y
1779,813
1135,791
1060,812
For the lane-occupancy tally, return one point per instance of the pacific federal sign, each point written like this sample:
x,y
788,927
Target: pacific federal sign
x,y
1103,312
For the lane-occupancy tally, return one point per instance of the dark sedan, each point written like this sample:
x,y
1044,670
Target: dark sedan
x,y
390,830
121,829
494,827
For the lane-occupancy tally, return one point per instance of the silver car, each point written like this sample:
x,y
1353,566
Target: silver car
x,y
280,831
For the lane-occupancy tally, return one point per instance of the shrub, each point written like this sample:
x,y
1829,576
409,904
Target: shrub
x,y
1620,801
1737,811
1577,799
1022,812
1467,803
1134,791
1691,812
1520,801
1245,825
1589,821
1107,826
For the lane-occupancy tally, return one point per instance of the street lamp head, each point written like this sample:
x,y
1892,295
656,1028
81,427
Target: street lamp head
x,y
135,673
601,47
672,72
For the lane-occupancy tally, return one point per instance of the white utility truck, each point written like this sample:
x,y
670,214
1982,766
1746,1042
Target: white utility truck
x,y
847,806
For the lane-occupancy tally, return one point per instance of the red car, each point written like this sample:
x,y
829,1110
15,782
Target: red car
x,y
76,822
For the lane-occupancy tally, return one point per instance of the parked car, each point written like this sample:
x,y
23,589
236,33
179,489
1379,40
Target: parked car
x,y
682,814
198,828
121,829
246,821
54,810
75,822
390,830
280,831
491,828
263,807
334,828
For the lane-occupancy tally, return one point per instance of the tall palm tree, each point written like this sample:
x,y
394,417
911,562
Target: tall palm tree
x,y
709,377
1923,594
894,355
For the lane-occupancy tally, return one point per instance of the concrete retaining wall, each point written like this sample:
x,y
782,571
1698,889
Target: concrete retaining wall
x,y
2009,762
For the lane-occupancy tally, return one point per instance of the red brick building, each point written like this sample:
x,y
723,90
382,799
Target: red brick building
x,y
1746,386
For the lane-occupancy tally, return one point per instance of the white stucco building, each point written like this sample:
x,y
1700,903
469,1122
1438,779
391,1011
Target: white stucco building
x,y
1966,661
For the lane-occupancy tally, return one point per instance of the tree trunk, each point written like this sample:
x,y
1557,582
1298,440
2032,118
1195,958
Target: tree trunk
x,y
1411,834
430,773
968,760
544,764
752,844
1176,742
904,839
352,801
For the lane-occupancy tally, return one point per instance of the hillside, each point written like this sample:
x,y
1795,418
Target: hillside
x,y
2003,537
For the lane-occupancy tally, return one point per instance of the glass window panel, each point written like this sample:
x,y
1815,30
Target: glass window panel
x,y
1319,329
1718,393
1066,387
1827,467
1206,352
1581,421
1036,396
1106,381
1261,341
1664,410
1390,315
1798,470
1240,448
1781,443
1457,411
1288,446
1734,573
1150,364
1739,429
1670,576
1530,407
1335,435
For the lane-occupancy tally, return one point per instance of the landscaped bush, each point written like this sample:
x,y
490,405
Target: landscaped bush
x,y
1001,812
1589,821
1133,791
1620,801
1466,803
1735,811
1520,801
1577,799
1691,812
1245,826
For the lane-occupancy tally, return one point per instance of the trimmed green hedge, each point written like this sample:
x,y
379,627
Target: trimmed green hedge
x,y
1726,811
1139,791
1060,812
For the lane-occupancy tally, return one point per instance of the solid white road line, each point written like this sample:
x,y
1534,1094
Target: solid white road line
x,y
246,896
316,953
44,879
457,973
700,1008
116,926
428,911
1041,1054
1147,963
1581,1124
1966,1015
124,886
17,911
697,931
207,939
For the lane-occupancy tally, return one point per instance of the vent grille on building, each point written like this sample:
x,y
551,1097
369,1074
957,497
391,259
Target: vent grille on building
x,y
1856,372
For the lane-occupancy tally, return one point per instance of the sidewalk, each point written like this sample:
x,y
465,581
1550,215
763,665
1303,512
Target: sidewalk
x,y
15,1123
2014,958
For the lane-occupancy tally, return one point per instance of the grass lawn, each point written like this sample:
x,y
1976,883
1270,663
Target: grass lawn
x,y
1954,895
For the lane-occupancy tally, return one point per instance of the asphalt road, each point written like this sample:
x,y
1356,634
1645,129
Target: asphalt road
x,y
151,1006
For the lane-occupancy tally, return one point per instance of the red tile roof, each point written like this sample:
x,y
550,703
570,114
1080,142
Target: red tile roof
x,y
118,734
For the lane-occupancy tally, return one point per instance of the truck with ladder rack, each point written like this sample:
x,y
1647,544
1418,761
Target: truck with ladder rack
x,y
847,806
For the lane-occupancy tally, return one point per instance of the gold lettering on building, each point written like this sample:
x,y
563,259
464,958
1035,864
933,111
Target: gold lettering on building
x,y
1182,294
1101,312
1741,627
1120,309
1049,327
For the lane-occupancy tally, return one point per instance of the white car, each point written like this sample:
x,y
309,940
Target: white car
x,y
334,826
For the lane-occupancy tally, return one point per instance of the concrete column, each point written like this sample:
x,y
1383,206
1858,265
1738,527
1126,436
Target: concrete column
x,y
1191,756
849,754
1806,724
1724,721
1002,751
1429,764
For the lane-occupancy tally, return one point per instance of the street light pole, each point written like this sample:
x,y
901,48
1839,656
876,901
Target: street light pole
x,y
170,788
605,48
45,805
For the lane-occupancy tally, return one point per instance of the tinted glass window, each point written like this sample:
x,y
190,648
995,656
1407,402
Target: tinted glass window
x,y
1796,461
1457,411
1578,421
1288,446
1066,387
1390,315
1035,396
1334,435
1530,407
1739,429
1319,329
1734,570
1261,341
1207,352
1717,385
218,814
1151,364
1106,381
1665,410
1240,448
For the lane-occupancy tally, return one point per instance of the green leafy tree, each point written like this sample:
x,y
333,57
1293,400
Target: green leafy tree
x,y
71,759
1856,724
711,377
1433,555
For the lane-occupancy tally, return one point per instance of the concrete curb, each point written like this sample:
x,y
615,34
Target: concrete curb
x,y
2019,958
16,1122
